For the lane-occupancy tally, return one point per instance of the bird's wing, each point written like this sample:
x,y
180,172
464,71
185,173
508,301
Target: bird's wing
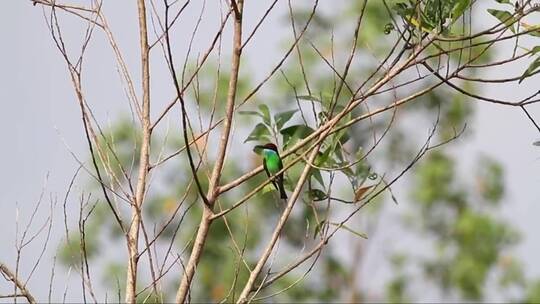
x,y
268,173
280,164
279,179
265,169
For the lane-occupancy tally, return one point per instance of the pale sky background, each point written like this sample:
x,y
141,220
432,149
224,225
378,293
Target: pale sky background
x,y
40,116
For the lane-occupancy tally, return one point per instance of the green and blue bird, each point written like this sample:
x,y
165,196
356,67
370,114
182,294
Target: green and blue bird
x,y
272,164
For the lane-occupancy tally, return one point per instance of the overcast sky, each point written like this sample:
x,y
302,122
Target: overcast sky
x,y
40,122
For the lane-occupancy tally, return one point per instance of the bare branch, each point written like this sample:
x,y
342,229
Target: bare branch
x,y
9,275
277,231
144,163
213,189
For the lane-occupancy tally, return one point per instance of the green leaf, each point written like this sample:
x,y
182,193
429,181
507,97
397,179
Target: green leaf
x,y
338,155
295,132
251,113
459,9
318,177
504,1
317,195
343,136
504,17
409,15
533,30
403,10
360,234
530,70
535,50
307,97
322,158
255,113
362,170
259,133
347,170
265,113
282,118
318,228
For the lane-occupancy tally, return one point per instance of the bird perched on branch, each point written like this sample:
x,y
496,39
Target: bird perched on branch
x,y
272,164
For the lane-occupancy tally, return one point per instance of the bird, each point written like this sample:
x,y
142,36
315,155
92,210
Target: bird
x,y
272,164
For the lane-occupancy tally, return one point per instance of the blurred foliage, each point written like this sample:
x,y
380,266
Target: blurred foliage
x,y
455,211
533,293
469,239
396,288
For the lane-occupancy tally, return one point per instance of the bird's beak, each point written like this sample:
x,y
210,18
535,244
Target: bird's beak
x,y
257,149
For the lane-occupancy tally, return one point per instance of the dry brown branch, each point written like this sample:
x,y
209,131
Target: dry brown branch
x,y
249,95
277,231
74,71
195,73
86,281
9,275
406,56
213,192
144,163
123,70
324,241
332,122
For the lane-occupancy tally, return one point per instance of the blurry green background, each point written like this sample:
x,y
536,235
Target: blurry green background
x,y
464,228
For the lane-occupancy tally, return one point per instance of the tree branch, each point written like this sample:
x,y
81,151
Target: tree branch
x,y
8,274
277,231
133,235
213,189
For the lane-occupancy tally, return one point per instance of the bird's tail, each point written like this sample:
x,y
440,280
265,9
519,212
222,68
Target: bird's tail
x,y
282,191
